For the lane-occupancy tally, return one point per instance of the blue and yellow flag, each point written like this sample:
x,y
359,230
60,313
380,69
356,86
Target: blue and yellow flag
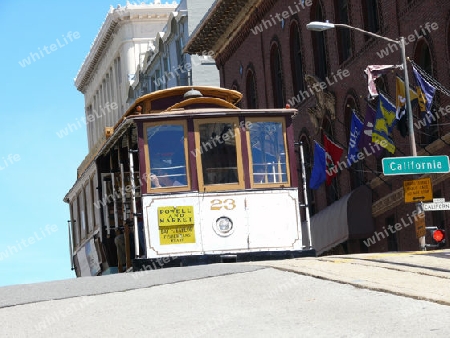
x,y
385,120
425,91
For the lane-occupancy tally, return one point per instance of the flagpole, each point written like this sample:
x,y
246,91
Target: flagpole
x,y
412,139
305,195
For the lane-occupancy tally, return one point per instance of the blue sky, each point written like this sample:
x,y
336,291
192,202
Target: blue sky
x,y
39,98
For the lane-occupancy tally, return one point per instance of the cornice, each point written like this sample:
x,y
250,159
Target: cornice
x,y
114,18
226,25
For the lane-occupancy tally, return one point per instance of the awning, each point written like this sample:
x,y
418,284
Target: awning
x,y
348,218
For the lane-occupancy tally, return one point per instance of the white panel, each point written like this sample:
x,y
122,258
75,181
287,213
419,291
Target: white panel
x,y
262,221
152,230
274,220
232,206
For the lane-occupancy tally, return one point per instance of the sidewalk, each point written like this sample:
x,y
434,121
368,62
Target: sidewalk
x,y
422,275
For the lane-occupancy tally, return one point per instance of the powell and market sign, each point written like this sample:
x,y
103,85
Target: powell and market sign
x,y
409,165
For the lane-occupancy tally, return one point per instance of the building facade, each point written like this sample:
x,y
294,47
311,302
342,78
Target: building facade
x,y
106,73
263,49
165,64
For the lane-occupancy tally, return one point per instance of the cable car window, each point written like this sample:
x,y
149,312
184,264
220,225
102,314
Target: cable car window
x,y
219,153
219,163
268,152
167,155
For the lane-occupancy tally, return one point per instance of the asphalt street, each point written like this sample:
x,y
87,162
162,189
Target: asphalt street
x,y
231,300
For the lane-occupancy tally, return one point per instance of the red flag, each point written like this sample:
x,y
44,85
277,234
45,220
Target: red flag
x,y
333,155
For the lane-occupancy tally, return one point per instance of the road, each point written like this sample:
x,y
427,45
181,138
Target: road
x,y
338,296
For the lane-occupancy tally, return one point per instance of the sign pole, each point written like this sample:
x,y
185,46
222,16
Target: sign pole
x,y
412,140
305,195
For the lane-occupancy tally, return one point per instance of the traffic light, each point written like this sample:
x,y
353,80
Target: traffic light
x,y
438,236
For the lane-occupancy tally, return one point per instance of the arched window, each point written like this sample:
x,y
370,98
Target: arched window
x,y
422,56
343,35
250,90
277,76
318,42
296,58
371,16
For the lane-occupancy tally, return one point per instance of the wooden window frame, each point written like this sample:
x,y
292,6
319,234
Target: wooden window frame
x,y
277,119
170,189
240,185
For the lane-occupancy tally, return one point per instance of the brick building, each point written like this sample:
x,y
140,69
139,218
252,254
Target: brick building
x,y
263,49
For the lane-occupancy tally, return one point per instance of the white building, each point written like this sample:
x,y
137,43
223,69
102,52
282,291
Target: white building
x,y
106,73
165,65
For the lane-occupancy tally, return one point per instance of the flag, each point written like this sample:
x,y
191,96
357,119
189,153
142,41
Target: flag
x,y
425,92
402,124
333,154
373,72
384,122
365,139
318,173
401,97
356,127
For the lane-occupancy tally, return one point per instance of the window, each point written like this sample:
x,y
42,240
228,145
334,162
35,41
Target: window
x,y
252,101
158,80
296,59
268,152
318,41
166,151
430,132
277,77
182,79
343,35
371,18
218,143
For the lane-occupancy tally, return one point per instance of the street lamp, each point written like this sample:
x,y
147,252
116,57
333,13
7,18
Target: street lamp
x,y
322,26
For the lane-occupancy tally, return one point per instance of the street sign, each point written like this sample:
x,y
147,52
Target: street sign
x,y
436,206
438,200
421,229
408,165
418,190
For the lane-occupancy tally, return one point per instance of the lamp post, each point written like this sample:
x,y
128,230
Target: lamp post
x,y
322,26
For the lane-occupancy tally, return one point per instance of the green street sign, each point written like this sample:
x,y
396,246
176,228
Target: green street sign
x,y
408,165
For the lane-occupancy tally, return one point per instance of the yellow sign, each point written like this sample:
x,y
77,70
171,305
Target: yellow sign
x,y
177,235
168,216
418,190
420,225
176,225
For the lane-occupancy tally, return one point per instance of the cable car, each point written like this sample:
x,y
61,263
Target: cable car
x,y
186,176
